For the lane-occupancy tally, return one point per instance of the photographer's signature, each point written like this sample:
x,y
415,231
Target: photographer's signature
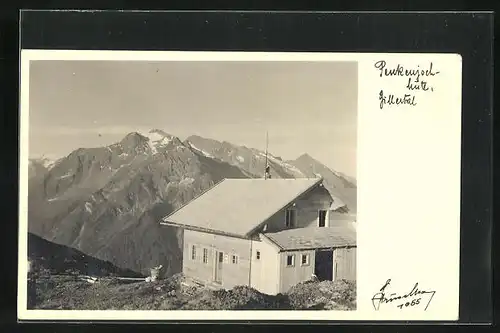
x,y
411,299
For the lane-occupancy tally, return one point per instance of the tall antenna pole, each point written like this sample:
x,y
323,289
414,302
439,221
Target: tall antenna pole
x,y
267,144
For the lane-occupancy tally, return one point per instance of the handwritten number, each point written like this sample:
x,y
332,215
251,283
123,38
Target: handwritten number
x,y
414,302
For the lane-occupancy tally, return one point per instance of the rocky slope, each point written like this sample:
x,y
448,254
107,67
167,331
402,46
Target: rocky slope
x,y
56,282
66,293
107,201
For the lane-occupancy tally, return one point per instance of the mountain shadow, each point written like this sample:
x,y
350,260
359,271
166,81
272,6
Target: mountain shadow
x,y
52,258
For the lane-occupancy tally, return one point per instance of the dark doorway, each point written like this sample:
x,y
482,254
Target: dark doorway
x,y
323,267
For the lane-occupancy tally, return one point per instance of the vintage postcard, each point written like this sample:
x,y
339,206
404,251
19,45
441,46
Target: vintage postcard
x,y
239,186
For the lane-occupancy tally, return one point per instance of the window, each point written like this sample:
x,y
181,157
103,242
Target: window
x,y
234,259
290,260
205,256
290,218
305,260
322,218
257,255
193,252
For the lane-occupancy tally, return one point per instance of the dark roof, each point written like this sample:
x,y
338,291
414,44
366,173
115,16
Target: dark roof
x,y
313,238
238,206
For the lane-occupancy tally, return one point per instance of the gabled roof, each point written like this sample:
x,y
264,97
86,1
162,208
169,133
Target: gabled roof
x,y
313,238
237,206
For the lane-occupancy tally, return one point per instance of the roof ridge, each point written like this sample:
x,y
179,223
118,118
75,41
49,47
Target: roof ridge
x,y
301,238
311,228
193,199
272,241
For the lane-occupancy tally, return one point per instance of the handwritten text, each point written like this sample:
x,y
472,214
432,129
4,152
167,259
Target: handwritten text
x,y
416,80
401,301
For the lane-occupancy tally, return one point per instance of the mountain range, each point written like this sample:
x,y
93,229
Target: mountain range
x,y
107,201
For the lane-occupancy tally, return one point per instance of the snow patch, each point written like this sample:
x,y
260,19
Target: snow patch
x,y
201,150
47,163
240,159
283,164
153,136
152,147
186,181
293,169
88,207
69,174
158,139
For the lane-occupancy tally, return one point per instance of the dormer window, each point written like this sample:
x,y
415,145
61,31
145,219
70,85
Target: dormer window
x,y
322,218
290,218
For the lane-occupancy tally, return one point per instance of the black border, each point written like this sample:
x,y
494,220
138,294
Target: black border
x,y
468,34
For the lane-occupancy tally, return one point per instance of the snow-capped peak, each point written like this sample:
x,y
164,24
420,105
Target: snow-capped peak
x,y
158,138
46,162
199,150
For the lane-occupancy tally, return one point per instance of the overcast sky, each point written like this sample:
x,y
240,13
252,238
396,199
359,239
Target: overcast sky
x,y
306,107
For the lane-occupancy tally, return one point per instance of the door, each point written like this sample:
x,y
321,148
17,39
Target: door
x,y
323,267
219,260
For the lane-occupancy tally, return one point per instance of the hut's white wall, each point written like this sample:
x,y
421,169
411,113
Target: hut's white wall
x,y
291,275
344,264
265,269
232,274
